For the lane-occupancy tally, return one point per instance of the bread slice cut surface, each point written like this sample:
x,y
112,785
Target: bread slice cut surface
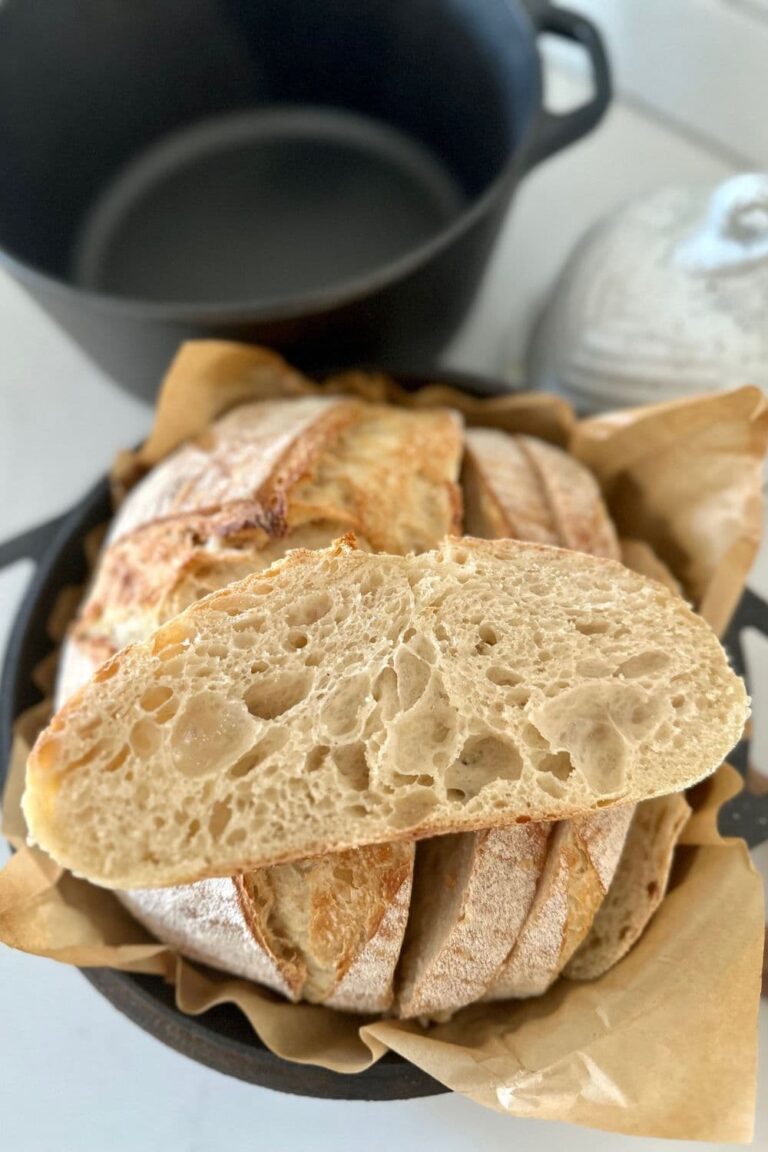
x,y
341,698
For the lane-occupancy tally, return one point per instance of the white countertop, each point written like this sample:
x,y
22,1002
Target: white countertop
x,y
77,1076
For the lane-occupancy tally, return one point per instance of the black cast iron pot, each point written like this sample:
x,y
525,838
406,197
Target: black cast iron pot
x,y
222,1038
323,176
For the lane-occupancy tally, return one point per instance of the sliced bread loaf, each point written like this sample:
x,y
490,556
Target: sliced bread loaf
x,y
472,893
265,478
340,699
580,865
328,930
638,886
523,487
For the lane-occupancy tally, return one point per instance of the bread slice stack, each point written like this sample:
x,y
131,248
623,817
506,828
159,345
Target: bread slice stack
x,y
269,477
254,771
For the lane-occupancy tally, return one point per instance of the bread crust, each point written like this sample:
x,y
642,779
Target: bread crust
x,y
581,861
637,889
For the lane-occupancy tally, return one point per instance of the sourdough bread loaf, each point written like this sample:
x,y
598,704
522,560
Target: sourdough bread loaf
x,y
580,865
268,477
487,912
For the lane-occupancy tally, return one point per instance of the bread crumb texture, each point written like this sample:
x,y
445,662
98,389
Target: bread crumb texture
x,y
341,698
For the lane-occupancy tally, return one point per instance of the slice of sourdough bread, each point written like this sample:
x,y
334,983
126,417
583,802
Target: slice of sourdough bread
x,y
472,893
638,887
341,698
581,862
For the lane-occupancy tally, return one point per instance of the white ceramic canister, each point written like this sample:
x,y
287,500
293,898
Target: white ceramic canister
x,y
668,297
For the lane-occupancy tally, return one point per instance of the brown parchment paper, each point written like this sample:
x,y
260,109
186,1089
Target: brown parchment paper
x,y
665,1044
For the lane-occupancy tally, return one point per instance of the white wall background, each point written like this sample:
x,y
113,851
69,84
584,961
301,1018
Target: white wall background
x,y
702,65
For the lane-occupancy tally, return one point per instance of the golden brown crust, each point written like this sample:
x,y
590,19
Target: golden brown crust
x,y
317,917
637,888
253,454
581,861
213,513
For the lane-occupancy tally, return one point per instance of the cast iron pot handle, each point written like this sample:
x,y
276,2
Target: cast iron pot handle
x,y
556,130
30,545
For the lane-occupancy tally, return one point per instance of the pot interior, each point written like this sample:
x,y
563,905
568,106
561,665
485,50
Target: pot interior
x,y
224,151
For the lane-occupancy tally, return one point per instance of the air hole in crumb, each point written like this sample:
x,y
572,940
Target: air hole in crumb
x,y
488,635
532,738
221,814
167,712
342,711
455,795
296,639
553,788
268,746
645,664
352,766
371,582
117,760
171,640
107,671
413,808
413,676
484,759
518,696
356,810
250,622
232,604
217,651
144,738
209,734
652,889
557,764
235,837
591,627
309,609
272,696
504,677
316,758
154,697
